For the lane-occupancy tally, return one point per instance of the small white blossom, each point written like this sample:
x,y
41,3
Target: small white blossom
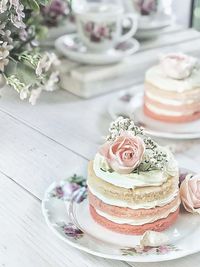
x,y
35,94
14,3
3,6
45,63
4,53
53,79
2,27
19,11
17,21
24,93
23,35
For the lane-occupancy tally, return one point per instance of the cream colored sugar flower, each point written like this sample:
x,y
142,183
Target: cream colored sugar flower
x,y
153,239
178,66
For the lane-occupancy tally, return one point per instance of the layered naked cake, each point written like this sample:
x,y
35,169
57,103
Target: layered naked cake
x,y
172,89
133,182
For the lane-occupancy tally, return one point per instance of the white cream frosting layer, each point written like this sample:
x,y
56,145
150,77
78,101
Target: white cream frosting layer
x,y
130,221
132,180
124,204
157,77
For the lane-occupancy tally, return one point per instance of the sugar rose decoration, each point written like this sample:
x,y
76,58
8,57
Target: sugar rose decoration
x,y
190,193
178,66
125,153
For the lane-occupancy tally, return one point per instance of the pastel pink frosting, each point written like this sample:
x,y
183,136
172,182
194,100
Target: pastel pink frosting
x,y
178,66
125,153
190,193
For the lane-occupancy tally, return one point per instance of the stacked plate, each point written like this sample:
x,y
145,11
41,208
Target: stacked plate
x,y
151,27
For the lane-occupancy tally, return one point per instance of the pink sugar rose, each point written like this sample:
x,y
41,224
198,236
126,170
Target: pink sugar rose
x,y
190,193
125,153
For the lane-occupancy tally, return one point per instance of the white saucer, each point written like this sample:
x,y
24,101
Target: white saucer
x,y
150,34
130,104
67,215
71,46
156,22
150,28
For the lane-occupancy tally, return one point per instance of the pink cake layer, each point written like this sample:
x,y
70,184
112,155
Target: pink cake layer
x,y
159,225
127,212
174,119
192,107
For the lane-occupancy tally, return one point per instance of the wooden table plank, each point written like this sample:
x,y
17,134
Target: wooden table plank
x,y
25,239
77,124
32,160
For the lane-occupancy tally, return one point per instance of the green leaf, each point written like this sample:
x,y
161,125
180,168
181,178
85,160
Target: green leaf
x,y
33,4
43,2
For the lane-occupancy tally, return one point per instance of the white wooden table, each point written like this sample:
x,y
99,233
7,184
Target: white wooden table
x,y
48,142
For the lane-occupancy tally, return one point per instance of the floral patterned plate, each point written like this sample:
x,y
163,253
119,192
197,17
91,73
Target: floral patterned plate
x,y
129,104
71,46
65,208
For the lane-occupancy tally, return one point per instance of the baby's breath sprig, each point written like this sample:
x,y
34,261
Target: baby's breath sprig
x,y
154,158
123,124
150,144
154,161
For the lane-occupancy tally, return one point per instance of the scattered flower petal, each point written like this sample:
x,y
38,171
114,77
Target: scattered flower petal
x,y
153,239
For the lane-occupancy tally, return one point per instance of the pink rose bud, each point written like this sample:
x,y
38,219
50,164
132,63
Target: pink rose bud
x,y
190,193
125,153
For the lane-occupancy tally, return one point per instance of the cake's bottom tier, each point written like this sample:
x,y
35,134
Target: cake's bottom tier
x,y
159,225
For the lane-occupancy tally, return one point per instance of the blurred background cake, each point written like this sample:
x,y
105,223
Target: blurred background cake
x,y
172,89
133,182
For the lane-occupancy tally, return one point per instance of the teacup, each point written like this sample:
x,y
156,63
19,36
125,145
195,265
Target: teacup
x,y
146,7
148,11
100,26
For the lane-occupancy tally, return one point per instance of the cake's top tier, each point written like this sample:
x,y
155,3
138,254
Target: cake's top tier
x,y
176,72
131,159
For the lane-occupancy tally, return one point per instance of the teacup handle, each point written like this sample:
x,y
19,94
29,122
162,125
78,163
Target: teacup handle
x,y
133,29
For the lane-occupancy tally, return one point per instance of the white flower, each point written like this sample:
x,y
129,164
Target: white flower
x,y
24,93
2,27
45,63
35,95
5,33
19,11
178,66
3,6
23,34
7,36
14,3
17,21
53,79
4,53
